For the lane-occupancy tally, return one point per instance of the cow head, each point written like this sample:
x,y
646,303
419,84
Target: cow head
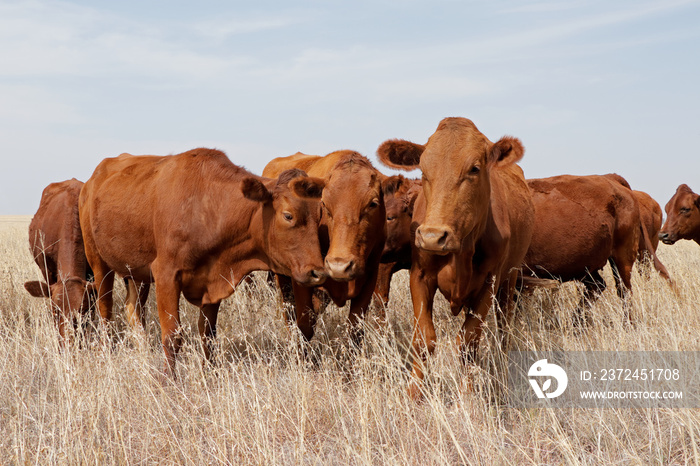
x,y
399,198
353,212
456,163
291,217
682,217
69,297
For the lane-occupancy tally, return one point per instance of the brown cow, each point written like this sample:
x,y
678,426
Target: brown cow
x,y
196,224
399,199
353,229
56,243
682,217
475,220
581,224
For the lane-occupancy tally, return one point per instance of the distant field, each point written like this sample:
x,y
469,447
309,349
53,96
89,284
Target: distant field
x,y
15,219
106,401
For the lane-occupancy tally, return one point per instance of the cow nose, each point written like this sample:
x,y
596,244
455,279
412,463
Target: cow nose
x,y
312,277
340,269
437,239
317,276
666,237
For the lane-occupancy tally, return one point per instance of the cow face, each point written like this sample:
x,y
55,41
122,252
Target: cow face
x,y
399,197
456,164
353,212
69,298
682,216
291,216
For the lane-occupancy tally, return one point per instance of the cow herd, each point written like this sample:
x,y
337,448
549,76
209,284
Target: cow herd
x,y
194,224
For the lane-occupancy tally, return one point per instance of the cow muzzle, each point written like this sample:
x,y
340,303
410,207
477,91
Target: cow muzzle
x,y
667,238
437,239
311,277
341,269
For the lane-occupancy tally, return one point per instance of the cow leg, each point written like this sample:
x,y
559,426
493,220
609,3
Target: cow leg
x,y
506,304
470,334
304,310
359,305
207,328
144,290
136,297
284,284
61,323
167,300
595,285
381,290
423,290
104,279
622,271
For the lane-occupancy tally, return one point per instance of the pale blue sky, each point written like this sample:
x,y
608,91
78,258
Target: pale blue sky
x,y
588,86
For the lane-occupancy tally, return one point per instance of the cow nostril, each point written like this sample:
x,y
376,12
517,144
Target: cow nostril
x,y
443,239
349,266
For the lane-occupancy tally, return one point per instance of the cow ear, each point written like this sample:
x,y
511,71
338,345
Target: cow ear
x,y
505,151
307,187
255,190
392,184
400,154
37,289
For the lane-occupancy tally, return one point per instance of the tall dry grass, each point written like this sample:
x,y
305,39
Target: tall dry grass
x,y
265,403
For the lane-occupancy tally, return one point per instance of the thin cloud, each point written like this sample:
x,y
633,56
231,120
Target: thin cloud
x,y
222,29
573,27
545,7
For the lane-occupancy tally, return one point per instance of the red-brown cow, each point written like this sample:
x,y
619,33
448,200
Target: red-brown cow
x,y
196,224
475,220
582,223
56,243
682,217
353,230
399,199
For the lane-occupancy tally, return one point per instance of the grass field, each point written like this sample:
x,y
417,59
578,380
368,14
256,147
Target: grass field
x,y
105,401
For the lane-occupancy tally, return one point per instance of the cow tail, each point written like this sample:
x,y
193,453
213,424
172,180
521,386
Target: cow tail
x,y
650,249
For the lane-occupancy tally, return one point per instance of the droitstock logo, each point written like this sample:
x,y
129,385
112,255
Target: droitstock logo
x,y
541,374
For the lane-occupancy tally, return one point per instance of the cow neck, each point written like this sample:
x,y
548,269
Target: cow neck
x,y
71,260
248,246
463,262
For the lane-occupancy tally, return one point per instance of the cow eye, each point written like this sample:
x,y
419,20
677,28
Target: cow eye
x,y
373,204
684,210
389,219
287,216
474,170
324,208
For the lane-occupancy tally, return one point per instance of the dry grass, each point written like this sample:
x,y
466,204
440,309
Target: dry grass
x,y
266,404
